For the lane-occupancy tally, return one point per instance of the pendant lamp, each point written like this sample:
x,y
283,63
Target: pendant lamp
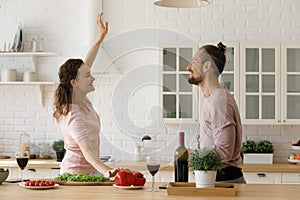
x,y
181,3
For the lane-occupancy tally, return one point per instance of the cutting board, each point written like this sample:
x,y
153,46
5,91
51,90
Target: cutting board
x,y
71,183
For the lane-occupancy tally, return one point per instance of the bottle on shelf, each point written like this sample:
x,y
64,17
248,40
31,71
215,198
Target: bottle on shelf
x,y
181,157
24,142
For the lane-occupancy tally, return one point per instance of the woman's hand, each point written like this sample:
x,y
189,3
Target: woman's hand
x,y
102,28
113,172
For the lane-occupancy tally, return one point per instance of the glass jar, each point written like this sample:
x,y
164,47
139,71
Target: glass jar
x,y
37,44
24,142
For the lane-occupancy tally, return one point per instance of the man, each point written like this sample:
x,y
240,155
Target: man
x,y
220,126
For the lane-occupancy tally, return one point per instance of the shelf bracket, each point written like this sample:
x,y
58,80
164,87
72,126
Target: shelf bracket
x,y
34,61
40,89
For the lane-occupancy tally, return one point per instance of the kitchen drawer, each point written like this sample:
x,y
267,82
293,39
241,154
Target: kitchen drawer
x,y
293,178
262,178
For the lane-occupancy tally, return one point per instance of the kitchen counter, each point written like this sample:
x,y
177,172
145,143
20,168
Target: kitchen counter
x,y
32,163
12,191
141,165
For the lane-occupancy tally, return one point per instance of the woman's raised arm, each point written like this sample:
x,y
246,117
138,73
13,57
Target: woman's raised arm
x,y
92,53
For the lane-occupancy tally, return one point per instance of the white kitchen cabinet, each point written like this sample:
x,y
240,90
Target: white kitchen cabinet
x,y
179,98
262,177
290,82
260,84
270,84
290,178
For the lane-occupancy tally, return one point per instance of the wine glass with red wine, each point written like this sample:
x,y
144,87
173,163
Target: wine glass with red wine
x,y
22,158
153,166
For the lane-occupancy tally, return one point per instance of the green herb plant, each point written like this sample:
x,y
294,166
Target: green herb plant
x,y
58,146
262,146
205,160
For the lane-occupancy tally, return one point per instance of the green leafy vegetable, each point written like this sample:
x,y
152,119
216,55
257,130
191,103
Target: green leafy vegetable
x,y
80,178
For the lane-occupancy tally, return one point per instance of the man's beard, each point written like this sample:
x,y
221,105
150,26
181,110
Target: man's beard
x,y
195,81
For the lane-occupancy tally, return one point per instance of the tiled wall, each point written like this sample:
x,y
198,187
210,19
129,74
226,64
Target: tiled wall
x,y
127,56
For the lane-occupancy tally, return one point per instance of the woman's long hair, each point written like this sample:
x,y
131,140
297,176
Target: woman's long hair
x,y
64,91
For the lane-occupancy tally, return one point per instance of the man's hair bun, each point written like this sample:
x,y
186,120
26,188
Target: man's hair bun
x,y
221,47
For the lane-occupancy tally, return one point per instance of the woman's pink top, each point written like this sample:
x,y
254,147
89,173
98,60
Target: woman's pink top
x,y
221,126
81,122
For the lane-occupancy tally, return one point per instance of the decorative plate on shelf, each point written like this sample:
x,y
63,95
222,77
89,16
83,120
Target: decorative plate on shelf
x,y
132,187
38,187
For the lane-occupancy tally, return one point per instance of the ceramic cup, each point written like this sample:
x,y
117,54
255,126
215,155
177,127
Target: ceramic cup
x,y
29,76
8,75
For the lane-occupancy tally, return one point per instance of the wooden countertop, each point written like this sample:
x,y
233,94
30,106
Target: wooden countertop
x,y
12,191
275,167
165,166
32,163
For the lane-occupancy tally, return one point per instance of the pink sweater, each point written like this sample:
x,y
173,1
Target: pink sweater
x,y
221,126
81,122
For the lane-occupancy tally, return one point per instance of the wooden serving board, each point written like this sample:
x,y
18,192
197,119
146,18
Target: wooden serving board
x,y
4,157
220,189
72,183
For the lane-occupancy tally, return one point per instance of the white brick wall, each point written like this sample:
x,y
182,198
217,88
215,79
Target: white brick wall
x,y
63,26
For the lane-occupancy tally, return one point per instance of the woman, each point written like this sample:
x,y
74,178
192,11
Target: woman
x,y
80,124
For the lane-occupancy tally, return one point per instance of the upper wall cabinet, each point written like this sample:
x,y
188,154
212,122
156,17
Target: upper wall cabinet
x,y
269,90
260,84
290,70
179,98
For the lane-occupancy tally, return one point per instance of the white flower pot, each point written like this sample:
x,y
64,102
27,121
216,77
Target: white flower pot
x,y
205,179
258,158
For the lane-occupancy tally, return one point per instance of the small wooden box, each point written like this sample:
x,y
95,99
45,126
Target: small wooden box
x,y
220,189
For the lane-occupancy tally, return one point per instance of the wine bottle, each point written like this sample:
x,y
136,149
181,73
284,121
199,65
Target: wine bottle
x,y
181,157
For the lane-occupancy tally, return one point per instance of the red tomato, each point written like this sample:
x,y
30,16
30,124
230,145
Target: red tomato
x,y
138,179
297,157
51,183
27,183
31,183
37,183
124,178
42,183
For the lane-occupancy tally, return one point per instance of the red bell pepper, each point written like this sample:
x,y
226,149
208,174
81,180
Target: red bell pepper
x,y
124,178
138,179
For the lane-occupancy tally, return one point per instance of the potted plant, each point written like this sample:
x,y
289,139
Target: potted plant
x,y
205,163
260,152
58,147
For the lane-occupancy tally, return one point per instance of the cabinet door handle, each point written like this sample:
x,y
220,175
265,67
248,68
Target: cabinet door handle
x,y
260,175
31,170
283,120
278,121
